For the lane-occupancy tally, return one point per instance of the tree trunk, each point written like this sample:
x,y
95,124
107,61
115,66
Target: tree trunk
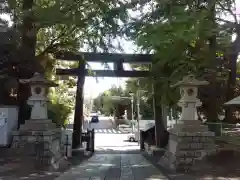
x,y
212,108
28,47
161,133
78,114
232,57
29,33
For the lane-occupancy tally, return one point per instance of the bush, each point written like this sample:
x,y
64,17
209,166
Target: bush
x,y
59,113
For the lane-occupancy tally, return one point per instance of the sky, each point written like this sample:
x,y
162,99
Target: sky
x,y
93,86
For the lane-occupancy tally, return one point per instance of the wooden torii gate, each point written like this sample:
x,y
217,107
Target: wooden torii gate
x,y
81,72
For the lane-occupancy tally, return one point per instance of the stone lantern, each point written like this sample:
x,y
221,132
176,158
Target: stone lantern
x,y
189,101
189,140
39,137
39,99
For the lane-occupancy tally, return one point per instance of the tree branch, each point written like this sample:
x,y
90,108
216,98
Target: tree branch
x,y
228,24
54,43
229,10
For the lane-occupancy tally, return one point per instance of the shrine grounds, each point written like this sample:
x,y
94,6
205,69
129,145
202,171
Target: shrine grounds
x,y
116,158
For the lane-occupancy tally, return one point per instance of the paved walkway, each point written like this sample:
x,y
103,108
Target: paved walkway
x,y
104,166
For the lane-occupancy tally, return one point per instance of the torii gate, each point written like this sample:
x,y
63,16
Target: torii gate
x,y
81,72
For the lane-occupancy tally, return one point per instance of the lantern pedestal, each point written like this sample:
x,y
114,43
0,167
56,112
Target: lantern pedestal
x,y
189,140
188,143
42,147
39,139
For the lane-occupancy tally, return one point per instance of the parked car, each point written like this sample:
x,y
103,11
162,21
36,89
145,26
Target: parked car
x,y
94,118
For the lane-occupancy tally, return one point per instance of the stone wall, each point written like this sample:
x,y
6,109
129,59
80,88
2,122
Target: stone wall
x,y
41,146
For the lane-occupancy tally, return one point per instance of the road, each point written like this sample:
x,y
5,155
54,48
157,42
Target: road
x,y
107,137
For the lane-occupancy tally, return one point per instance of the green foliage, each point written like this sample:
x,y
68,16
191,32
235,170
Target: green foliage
x,y
59,113
105,102
108,105
177,32
181,35
176,29
61,105
64,25
133,85
91,24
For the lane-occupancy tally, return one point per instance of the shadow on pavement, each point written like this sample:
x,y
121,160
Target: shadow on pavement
x,y
170,175
129,166
15,167
223,165
78,156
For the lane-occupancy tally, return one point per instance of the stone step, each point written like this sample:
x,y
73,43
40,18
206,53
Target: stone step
x,y
37,126
40,121
193,128
192,122
190,128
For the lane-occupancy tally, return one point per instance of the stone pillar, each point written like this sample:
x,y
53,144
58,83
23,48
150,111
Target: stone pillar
x,y
189,139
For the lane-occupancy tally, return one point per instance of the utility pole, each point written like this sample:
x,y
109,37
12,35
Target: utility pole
x,y
132,106
138,112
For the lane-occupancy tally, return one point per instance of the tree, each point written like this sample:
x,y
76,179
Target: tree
x,y
142,85
46,27
185,30
187,37
107,103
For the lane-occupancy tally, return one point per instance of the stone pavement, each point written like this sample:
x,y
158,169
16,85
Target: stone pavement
x,y
117,165
114,166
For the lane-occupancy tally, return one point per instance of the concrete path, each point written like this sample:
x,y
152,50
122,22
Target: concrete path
x,y
121,166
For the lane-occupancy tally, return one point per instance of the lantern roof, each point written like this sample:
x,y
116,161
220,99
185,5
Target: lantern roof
x,y
190,80
38,79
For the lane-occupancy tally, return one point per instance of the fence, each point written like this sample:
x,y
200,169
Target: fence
x,y
227,136
224,129
220,129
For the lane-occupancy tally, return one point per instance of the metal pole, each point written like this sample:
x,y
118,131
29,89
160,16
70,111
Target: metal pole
x,y
132,115
66,146
93,140
138,115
